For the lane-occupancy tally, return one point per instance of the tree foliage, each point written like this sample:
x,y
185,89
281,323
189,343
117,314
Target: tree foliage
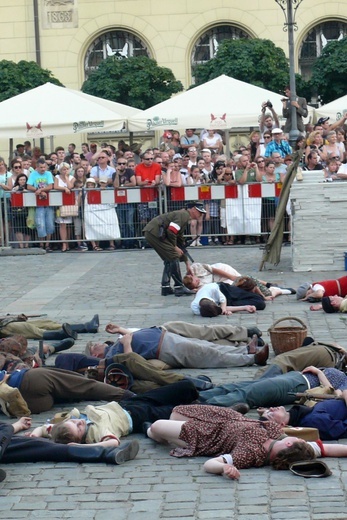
x,y
254,61
138,82
329,75
16,78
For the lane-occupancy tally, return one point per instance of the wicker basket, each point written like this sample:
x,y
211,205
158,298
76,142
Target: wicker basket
x,y
284,339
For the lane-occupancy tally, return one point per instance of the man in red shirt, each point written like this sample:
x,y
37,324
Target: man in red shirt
x,y
148,175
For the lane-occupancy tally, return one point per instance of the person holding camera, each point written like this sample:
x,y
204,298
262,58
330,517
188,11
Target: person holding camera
x,y
268,121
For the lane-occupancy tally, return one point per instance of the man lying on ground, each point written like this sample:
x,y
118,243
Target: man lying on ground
x,y
101,424
214,299
274,391
15,449
45,329
331,304
180,352
329,417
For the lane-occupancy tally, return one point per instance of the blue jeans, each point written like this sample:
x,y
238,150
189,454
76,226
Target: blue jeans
x,y
125,213
274,391
44,221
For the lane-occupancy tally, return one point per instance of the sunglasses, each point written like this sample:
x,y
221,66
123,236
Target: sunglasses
x,y
261,160
267,136
121,164
17,167
148,159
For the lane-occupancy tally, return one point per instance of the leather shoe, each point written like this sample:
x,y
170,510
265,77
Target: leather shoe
x,y
126,451
254,330
292,291
68,331
93,325
261,357
242,408
167,291
252,345
200,384
183,291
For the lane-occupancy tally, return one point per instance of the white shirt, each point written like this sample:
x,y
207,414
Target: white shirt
x,y
209,291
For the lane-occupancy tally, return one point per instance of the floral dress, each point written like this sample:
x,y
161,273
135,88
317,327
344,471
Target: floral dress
x,y
212,431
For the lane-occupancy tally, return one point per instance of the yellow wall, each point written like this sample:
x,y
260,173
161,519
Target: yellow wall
x,y
170,29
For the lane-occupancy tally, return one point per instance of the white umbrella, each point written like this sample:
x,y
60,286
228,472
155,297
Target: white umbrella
x,y
221,103
335,110
51,110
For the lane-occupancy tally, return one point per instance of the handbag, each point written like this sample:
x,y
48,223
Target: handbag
x,y
69,211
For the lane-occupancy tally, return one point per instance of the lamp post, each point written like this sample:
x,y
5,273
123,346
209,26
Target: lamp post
x,y
289,8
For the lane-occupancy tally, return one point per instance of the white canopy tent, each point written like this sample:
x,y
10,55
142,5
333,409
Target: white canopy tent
x,y
51,110
335,110
221,103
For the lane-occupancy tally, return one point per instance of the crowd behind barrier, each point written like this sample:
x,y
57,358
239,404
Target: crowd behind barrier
x,y
102,197
119,215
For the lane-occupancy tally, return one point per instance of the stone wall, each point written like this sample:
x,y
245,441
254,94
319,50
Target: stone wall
x,y
319,224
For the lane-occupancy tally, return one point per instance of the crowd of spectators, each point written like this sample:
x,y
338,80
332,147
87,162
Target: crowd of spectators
x,y
179,160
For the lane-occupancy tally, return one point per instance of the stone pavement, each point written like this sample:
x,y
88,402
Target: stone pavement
x,y
124,287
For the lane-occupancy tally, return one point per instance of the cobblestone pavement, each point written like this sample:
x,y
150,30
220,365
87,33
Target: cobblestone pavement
x,y
124,287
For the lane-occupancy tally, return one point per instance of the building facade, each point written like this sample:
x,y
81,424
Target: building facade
x,y
70,37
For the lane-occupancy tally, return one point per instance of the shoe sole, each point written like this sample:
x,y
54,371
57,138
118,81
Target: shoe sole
x,y
68,331
129,452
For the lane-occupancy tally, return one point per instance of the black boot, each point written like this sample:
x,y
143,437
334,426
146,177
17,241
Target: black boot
x,y
91,326
183,291
166,289
64,344
89,453
63,333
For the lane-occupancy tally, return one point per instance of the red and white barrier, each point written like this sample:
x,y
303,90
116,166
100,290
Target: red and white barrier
x,y
140,195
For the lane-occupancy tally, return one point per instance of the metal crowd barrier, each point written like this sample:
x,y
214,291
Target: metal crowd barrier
x,y
117,216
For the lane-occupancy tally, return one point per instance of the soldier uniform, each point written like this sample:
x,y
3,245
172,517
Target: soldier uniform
x,y
164,233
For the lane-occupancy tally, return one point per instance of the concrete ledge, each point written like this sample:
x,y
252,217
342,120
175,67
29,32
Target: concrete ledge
x,y
9,251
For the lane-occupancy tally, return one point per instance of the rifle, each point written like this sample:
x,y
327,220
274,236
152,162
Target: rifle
x,y
8,315
316,397
187,244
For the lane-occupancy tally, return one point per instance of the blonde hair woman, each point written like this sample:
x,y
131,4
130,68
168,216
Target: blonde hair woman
x,y
63,181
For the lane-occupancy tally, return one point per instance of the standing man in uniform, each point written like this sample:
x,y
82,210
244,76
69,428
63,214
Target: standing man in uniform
x,y
165,234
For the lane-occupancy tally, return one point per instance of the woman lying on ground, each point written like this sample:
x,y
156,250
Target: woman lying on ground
x,y
235,441
203,274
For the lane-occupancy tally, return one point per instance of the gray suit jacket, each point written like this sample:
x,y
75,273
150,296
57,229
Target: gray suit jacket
x,y
300,113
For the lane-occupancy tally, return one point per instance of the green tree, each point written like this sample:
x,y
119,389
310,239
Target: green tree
x,y
329,75
254,61
16,78
138,82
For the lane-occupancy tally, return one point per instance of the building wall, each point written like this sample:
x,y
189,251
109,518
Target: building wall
x,y
170,30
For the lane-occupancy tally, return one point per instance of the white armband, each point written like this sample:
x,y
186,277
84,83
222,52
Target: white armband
x,y
227,458
316,448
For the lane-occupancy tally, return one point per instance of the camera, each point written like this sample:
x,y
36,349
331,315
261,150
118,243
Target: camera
x,y
268,104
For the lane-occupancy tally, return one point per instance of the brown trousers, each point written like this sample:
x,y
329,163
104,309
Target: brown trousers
x,y
43,387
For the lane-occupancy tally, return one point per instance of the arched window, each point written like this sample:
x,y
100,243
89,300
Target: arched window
x,y
121,44
207,45
315,41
